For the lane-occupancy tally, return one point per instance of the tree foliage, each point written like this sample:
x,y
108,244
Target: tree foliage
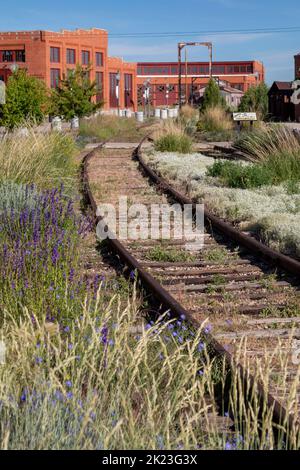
x,y
74,94
212,96
26,100
256,100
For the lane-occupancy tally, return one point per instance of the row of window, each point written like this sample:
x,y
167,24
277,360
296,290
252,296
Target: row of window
x,y
194,69
12,56
55,78
113,81
71,57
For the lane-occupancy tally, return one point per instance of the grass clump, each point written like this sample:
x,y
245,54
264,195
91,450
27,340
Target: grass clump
x,y
171,137
174,143
219,255
45,160
267,141
274,152
215,125
215,119
171,255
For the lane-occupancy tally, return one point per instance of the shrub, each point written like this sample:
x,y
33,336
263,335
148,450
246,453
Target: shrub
x,y
171,137
215,119
43,159
256,100
212,96
174,143
26,100
73,97
236,175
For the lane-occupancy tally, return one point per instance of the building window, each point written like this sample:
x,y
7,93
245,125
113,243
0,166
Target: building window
x,y
71,56
7,56
54,54
128,90
99,85
99,59
85,57
20,56
54,78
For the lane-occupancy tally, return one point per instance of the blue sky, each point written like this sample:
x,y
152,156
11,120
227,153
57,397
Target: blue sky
x,y
127,16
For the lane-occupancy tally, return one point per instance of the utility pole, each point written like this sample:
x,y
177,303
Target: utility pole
x,y
182,45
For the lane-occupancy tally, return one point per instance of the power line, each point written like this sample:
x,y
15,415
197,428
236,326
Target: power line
x,y
159,34
279,30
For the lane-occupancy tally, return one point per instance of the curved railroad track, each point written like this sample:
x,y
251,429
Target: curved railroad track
x,y
248,291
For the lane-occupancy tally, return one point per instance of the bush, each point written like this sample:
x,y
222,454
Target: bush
x,y
236,175
42,159
74,95
256,100
174,143
172,137
215,119
26,100
212,96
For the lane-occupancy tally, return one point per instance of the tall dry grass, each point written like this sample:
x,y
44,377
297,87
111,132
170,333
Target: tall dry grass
x,y
102,385
215,119
172,137
268,141
45,160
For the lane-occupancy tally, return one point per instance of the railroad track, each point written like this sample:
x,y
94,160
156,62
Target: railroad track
x,y
248,292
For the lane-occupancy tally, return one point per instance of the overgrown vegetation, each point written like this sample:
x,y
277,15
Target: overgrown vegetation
x,y
45,160
172,137
272,212
113,128
275,151
26,100
268,141
216,119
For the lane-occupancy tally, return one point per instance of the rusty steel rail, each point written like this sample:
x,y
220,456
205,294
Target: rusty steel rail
x,y
167,301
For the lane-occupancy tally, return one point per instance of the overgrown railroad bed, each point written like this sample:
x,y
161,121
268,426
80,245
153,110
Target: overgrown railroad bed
x,y
250,307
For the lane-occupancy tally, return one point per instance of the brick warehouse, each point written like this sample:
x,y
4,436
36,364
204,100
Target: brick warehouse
x,y
50,55
164,76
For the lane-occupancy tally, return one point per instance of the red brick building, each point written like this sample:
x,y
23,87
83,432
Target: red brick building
x,y
50,55
164,76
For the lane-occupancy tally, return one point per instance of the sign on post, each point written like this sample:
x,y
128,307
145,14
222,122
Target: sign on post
x,y
2,92
239,117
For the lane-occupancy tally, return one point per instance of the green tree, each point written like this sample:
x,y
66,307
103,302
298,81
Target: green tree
x,y
74,94
26,100
212,96
256,100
